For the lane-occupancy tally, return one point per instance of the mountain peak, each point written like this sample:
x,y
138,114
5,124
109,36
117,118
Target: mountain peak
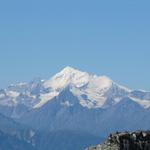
x,y
69,71
77,78
68,76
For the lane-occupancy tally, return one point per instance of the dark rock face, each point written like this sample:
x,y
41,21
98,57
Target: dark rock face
x,y
139,140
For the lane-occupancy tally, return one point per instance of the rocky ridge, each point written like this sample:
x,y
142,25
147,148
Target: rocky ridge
x,y
139,140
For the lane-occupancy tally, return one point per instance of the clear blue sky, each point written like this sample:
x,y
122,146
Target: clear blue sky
x,y
111,37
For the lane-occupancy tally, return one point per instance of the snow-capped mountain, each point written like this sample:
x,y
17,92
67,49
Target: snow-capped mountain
x,y
73,102
93,91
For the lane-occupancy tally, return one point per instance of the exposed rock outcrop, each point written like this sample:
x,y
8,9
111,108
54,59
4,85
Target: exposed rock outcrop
x,y
139,140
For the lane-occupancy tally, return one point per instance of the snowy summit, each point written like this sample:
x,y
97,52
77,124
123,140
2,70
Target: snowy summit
x,y
92,91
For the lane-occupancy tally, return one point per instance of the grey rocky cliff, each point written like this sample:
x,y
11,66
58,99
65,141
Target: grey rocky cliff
x,y
139,140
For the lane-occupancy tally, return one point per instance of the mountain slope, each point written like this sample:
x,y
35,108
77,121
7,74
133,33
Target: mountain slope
x,y
8,142
59,115
14,136
66,140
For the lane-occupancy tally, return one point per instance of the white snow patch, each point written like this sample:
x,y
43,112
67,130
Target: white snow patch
x,y
95,91
67,104
117,99
22,84
13,94
45,98
123,88
144,103
86,103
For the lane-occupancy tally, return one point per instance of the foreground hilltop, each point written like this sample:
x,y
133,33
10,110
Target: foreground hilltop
x,y
139,140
